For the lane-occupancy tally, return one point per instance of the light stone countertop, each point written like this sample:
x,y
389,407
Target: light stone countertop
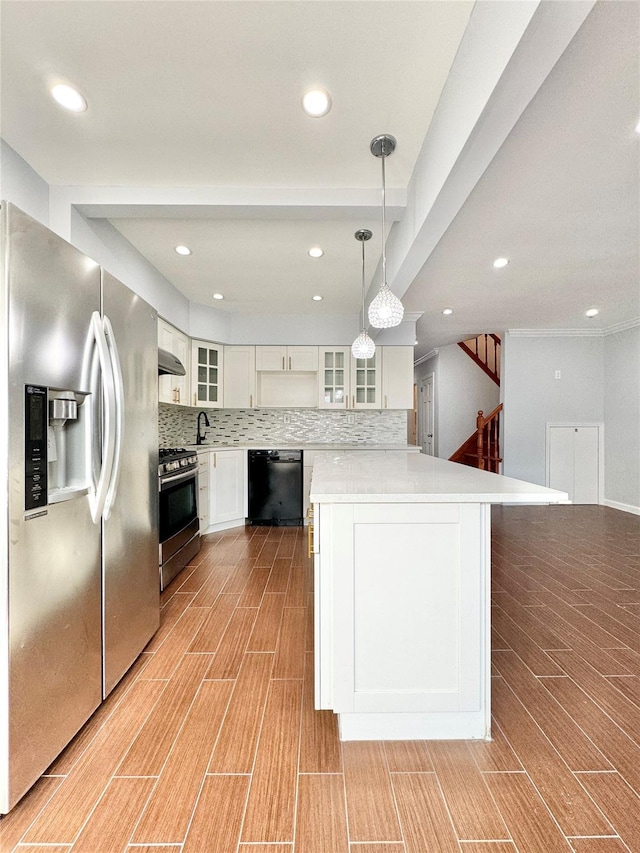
x,y
301,445
401,477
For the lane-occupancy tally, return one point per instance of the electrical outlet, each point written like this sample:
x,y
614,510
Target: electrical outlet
x,y
286,419
351,419
557,374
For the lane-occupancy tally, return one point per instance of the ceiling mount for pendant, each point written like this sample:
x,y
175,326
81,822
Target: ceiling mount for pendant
x,y
363,346
383,145
385,310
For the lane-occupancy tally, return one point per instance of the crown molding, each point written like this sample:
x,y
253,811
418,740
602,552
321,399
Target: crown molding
x,y
574,333
622,327
426,356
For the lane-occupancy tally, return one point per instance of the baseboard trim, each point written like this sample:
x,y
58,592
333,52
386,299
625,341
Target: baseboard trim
x,y
624,507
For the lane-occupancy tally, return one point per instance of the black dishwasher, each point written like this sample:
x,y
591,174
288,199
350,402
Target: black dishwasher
x,y
275,487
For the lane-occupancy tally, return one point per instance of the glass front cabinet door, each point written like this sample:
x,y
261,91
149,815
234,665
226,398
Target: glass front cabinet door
x,y
334,377
366,382
206,374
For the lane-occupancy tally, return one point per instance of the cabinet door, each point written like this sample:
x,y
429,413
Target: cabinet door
x,y
333,379
585,473
390,605
203,490
302,358
397,377
366,382
271,358
574,465
174,389
239,377
307,471
206,374
227,485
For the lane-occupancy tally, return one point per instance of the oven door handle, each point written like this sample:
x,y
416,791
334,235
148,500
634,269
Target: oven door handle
x,y
176,478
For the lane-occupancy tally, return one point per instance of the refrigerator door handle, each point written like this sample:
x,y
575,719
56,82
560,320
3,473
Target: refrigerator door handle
x,y
99,496
118,418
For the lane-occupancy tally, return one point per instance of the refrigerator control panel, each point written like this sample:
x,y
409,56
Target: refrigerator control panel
x,y
35,458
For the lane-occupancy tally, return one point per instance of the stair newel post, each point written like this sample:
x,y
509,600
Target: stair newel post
x,y
480,438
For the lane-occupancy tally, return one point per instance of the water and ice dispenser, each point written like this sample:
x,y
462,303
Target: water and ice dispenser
x,y
56,445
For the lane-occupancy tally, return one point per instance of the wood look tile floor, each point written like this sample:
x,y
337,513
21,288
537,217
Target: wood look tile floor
x,y
211,743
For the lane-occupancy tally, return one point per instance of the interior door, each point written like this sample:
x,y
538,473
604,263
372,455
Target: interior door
x,y
427,420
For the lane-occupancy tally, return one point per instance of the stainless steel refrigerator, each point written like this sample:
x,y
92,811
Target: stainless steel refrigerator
x,y
79,591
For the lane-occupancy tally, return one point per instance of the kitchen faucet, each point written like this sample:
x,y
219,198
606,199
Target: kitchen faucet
x,y
200,438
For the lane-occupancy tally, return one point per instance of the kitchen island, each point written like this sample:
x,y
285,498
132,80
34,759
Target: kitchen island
x,y
402,559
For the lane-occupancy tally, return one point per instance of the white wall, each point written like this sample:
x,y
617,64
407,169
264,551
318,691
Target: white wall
x,y
622,418
533,397
102,242
22,186
461,390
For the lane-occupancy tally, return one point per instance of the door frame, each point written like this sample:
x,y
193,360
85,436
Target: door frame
x,y
579,425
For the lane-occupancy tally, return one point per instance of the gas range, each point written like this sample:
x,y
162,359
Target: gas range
x,y
176,459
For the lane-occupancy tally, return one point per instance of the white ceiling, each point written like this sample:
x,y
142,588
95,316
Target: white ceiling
x,y
189,98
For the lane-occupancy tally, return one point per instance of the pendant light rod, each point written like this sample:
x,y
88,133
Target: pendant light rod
x,y
363,234
363,346
381,146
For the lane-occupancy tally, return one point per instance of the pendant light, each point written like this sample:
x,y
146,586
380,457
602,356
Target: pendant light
x,y
363,346
385,310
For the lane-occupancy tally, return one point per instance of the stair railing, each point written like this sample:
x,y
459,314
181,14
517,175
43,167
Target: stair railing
x,y
482,448
488,440
485,351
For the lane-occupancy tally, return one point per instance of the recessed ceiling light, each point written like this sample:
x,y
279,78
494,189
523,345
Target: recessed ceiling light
x,y
317,298
500,262
415,343
316,102
638,127
218,296
69,98
316,252
592,312
183,250
447,311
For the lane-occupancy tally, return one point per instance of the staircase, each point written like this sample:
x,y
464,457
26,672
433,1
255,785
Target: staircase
x,y
482,449
485,351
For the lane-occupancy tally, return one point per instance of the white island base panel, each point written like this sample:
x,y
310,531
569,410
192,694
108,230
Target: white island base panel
x,y
462,726
402,633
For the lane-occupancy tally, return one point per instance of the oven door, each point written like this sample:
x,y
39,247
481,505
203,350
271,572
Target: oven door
x,y
178,509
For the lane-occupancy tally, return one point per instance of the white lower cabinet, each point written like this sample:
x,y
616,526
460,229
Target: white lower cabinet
x,y
401,632
227,488
203,490
307,470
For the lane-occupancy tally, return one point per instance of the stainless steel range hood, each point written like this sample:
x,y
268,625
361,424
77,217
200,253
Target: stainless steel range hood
x,y
169,363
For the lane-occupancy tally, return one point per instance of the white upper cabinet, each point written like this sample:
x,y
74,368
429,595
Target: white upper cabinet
x,y
366,382
283,358
174,389
206,374
239,377
397,377
334,365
